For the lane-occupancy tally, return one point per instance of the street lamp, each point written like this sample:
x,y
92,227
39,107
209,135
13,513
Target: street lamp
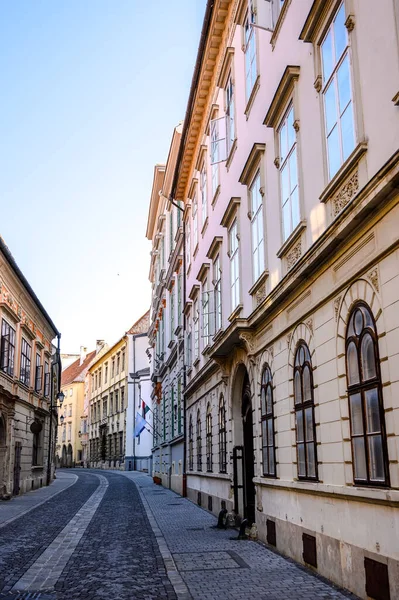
x,y
62,419
60,397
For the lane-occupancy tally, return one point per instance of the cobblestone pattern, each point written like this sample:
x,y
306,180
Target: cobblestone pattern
x,y
45,572
252,570
26,538
118,557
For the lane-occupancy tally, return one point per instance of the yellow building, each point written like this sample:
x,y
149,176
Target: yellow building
x,y
69,440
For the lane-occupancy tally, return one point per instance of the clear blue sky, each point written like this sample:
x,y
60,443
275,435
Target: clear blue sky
x,y
90,93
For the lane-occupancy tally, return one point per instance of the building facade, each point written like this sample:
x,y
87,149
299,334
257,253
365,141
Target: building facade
x,y
29,382
165,231
118,383
288,170
72,432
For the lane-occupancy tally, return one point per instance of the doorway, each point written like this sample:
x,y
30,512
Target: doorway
x,y
17,468
243,451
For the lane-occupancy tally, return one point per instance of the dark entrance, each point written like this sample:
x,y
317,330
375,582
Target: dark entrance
x,y
248,455
17,468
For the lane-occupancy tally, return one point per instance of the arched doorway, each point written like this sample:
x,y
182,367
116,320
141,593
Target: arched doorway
x,y
243,450
64,456
69,456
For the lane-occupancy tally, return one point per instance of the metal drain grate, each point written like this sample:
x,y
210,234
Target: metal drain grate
x,y
175,504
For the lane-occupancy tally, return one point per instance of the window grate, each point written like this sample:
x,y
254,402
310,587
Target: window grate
x,y
271,532
377,580
309,549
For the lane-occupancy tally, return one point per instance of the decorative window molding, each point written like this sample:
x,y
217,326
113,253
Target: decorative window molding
x,y
252,97
214,247
317,20
282,95
279,23
226,67
230,211
200,160
345,170
252,164
194,291
203,272
192,188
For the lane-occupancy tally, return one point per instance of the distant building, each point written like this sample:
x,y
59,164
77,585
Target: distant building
x,y
165,231
68,359
71,439
29,380
118,385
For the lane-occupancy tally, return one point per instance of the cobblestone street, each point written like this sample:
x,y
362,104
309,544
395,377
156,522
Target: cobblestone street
x,y
117,535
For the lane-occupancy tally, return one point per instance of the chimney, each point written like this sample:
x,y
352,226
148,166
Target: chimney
x,y
83,353
99,345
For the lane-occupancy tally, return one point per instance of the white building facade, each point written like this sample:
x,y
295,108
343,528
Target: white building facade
x,y
288,170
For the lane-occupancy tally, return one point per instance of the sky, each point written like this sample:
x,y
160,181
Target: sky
x,y
90,91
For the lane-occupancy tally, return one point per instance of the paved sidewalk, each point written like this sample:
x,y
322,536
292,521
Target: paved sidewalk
x,y
204,563
20,505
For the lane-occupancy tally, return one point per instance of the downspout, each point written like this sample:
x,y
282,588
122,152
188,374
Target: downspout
x,y
134,402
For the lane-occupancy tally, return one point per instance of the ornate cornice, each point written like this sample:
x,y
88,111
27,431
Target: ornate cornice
x,y
282,94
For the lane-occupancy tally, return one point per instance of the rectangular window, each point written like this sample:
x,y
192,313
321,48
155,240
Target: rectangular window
x,y
46,379
99,377
69,431
234,266
113,369
171,232
104,409
7,348
172,313
217,283
188,243
111,403
337,94
96,380
195,221
179,300
25,362
189,343
123,362
106,373
70,410
250,52
122,400
230,121
196,328
116,401
214,156
204,194
206,309
38,373
179,411
289,174
118,364
258,247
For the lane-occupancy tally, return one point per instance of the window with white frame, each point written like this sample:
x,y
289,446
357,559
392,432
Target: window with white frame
x,y
204,193
25,362
230,120
189,343
250,51
214,156
188,243
7,349
205,312
172,313
257,229
196,328
234,265
195,221
337,93
289,174
179,299
217,286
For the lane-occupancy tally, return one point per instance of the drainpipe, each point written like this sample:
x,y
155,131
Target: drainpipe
x,y
134,403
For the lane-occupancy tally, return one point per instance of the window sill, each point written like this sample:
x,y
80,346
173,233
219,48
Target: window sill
x,y
206,349
259,282
235,313
195,250
230,157
252,97
292,238
279,23
343,172
196,362
215,196
37,467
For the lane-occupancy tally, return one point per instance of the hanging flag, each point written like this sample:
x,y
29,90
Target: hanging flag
x,y
140,425
146,408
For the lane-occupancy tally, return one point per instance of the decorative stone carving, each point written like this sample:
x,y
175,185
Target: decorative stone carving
x,y
318,84
222,364
309,324
277,162
373,277
271,351
288,340
296,125
346,193
337,302
19,311
260,294
249,341
294,254
350,23
262,191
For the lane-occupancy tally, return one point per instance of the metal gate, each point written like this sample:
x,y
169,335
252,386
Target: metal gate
x,y
239,480
17,468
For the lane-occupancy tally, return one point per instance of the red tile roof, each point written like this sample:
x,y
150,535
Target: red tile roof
x,y
142,325
77,371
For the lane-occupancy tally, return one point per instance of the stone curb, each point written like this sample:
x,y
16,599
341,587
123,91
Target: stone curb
x,y
173,574
36,505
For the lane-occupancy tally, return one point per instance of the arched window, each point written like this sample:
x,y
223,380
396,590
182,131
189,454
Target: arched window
x,y
268,447
191,444
369,447
199,442
222,436
304,414
209,462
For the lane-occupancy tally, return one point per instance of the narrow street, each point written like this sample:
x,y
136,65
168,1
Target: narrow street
x,y
117,535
